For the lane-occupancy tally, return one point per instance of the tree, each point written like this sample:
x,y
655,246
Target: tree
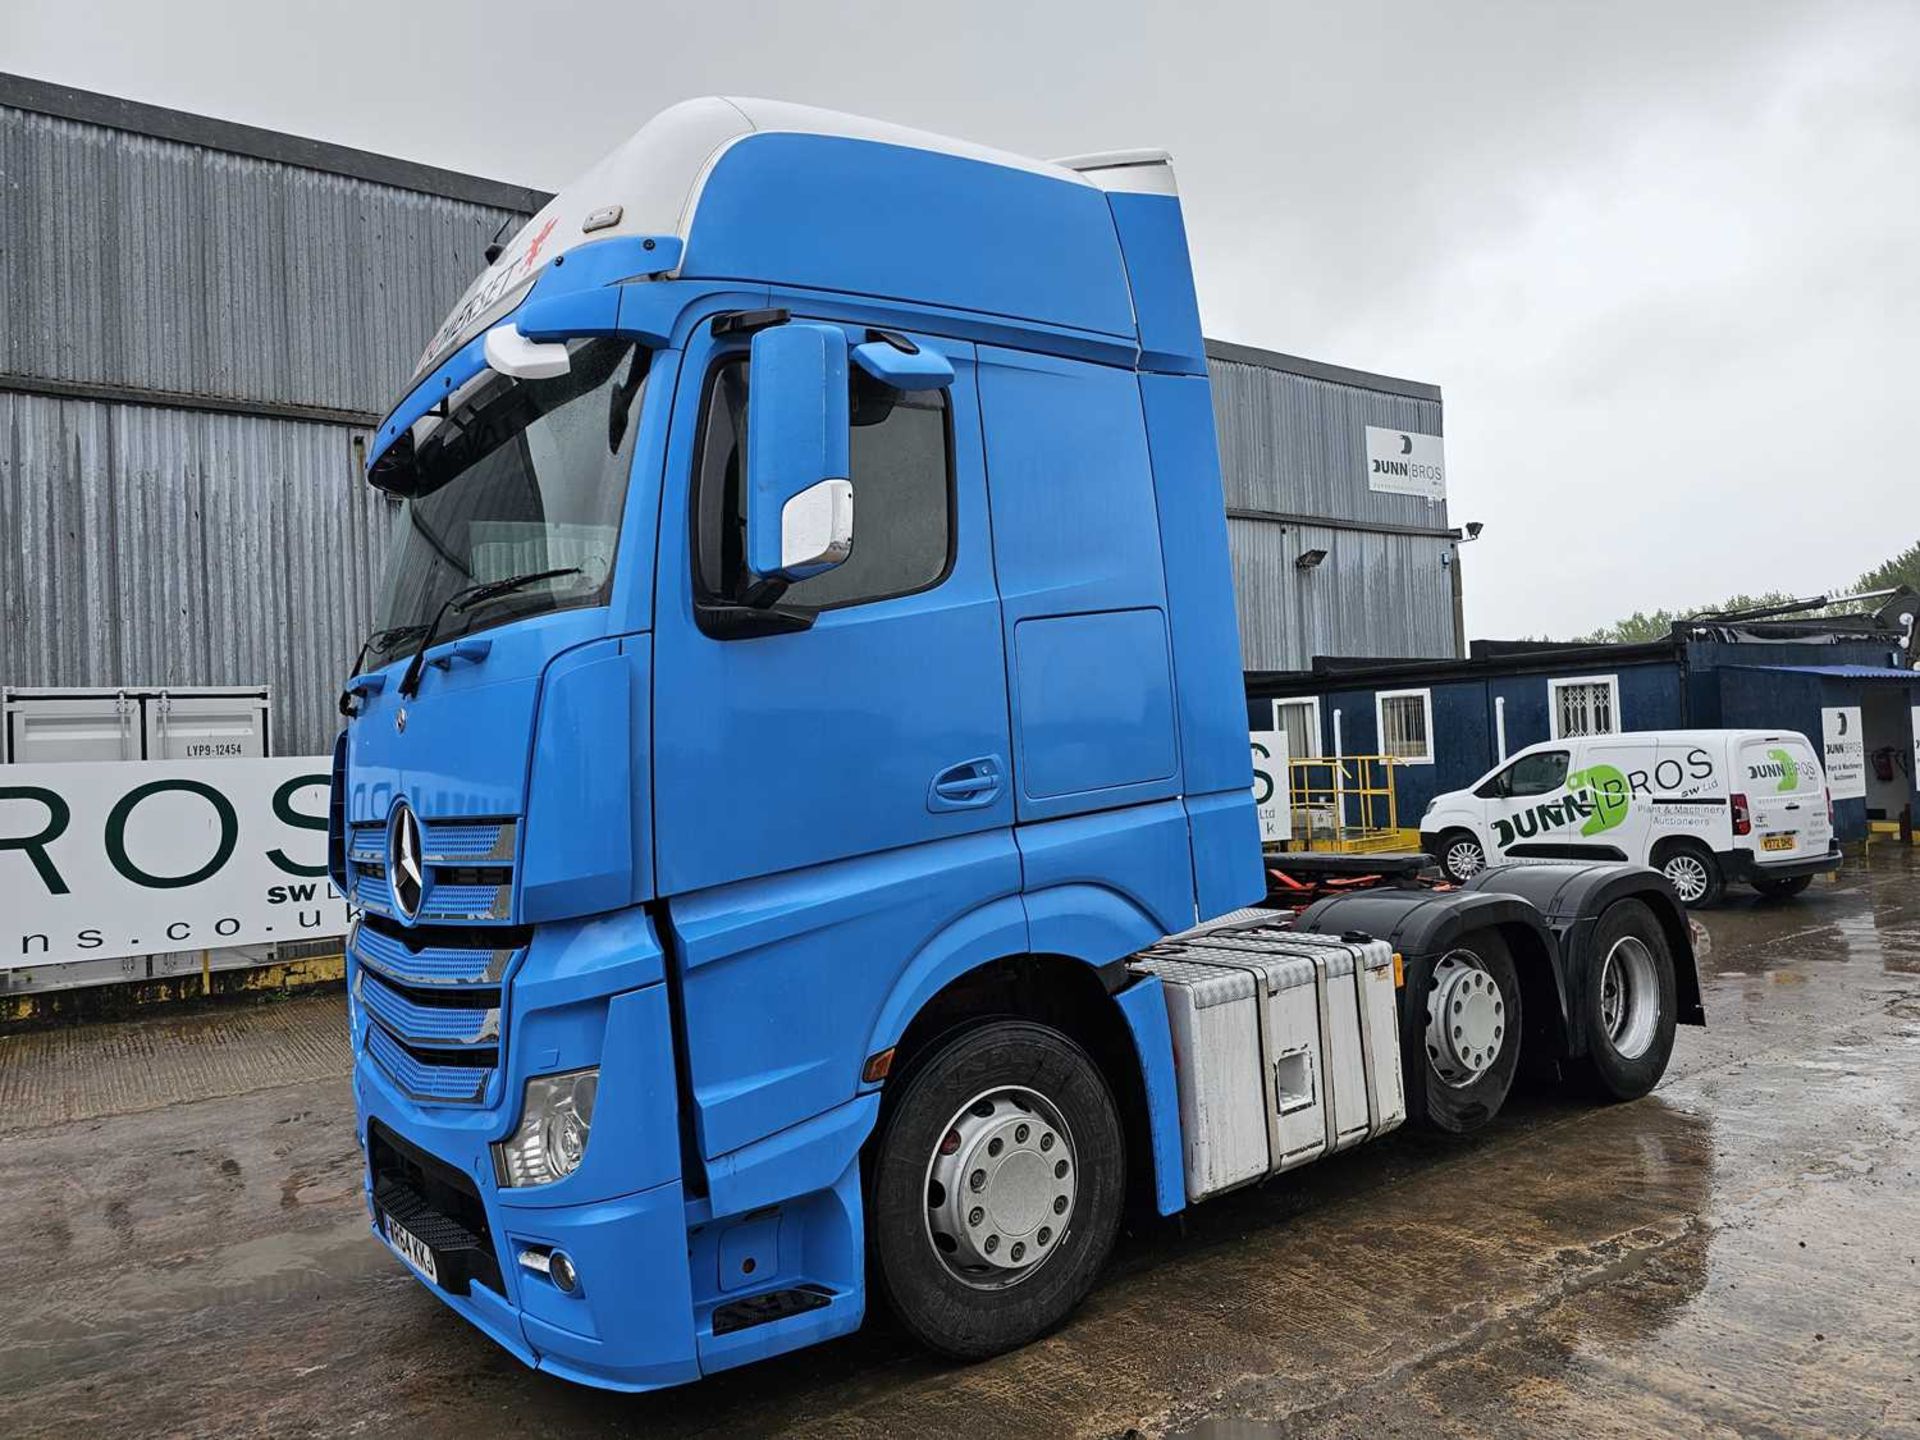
x,y
1639,627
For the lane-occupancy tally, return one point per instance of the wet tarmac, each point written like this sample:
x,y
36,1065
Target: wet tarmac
x,y
184,1252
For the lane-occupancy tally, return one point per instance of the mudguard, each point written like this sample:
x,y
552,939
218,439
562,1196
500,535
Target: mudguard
x,y
1571,895
1423,924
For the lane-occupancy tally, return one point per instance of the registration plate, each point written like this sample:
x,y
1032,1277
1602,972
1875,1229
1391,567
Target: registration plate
x,y
1776,842
412,1249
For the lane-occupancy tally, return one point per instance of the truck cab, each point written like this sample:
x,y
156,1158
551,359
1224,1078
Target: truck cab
x,y
807,681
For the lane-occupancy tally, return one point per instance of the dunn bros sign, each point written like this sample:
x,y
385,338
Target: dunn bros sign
x,y
106,859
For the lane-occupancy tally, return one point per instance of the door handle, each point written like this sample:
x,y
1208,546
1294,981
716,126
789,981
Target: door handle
x,y
969,785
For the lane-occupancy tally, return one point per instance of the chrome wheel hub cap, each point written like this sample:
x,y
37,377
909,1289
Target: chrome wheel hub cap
x,y
1464,859
1466,1019
1689,877
1629,997
1000,1188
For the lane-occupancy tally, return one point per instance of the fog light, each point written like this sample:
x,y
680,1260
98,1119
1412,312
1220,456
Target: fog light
x,y
560,1270
556,1116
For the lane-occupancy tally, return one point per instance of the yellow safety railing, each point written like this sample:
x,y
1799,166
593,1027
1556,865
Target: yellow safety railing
x,y
1344,802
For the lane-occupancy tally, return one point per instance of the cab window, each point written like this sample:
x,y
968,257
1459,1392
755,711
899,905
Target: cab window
x,y
1538,774
902,464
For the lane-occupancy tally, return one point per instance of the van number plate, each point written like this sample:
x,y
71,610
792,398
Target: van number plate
x,y
1776,842
410,1248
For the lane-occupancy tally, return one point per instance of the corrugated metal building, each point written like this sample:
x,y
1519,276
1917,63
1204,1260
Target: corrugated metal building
x,y
1294,459
203,320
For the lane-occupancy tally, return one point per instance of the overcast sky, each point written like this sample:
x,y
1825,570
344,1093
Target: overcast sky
x,y
1663,258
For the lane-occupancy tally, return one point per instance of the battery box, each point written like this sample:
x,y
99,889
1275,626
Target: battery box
x,y
1287,1045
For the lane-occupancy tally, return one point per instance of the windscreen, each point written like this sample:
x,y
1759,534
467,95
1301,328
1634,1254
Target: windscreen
x,y
518,477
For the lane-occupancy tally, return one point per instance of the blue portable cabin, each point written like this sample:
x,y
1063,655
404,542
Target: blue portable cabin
x,y
1453,720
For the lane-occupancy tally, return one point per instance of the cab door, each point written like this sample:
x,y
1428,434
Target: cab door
x,y
827,799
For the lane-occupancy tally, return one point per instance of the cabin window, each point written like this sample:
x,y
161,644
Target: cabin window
x,y
1405,725
1589,705
902,464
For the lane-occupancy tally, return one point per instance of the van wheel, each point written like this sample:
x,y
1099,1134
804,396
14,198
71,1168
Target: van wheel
x,y
997,1188
1462,1045
1461,855
1628,1011
1694,874
1781,889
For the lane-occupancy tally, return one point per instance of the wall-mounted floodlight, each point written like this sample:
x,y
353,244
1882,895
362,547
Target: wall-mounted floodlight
x,y
1474,527
1310,559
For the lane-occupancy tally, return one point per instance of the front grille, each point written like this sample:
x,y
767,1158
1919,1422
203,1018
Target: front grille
x,y
436,1080
433,1002
438,1205
469,866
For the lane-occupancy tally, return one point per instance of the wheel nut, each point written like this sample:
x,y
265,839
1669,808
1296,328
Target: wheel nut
x,y
1020,1134
995,1146
976,1215
1046,1141
977,1180
1046,1234
993,1244
1060,1170
1059,1204
1019,1251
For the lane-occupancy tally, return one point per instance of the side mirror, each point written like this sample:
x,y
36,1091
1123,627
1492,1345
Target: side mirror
x,y
799,499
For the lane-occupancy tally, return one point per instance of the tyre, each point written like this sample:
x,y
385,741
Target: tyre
x,y
1694,874
1627,1013
996,1189
1461,855
1782,889
1462,1045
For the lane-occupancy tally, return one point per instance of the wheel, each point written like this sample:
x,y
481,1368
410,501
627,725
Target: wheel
x,y
997,1188
1461,855
1694,873
1782,889
1628,1011
1463,1044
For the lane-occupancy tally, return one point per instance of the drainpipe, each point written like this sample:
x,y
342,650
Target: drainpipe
x,y
1339,773
1459,610
1500,725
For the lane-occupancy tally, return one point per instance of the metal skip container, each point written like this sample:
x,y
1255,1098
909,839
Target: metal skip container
x,y
1287,1047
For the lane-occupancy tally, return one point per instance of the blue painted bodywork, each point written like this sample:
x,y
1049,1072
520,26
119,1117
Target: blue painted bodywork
x,y
728,869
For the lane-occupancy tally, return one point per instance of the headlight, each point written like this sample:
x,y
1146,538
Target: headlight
x,y
555,1118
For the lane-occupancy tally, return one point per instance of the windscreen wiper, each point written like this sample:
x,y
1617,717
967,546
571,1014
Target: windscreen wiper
x,y
462,601
380,641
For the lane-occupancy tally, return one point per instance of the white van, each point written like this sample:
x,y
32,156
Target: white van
x,y
1708,808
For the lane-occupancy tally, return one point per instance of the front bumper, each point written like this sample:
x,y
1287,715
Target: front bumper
x,y
630,1325
671,1288
1745,867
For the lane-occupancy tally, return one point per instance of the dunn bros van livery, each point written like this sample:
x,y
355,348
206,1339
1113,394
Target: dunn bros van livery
x,y
1705,807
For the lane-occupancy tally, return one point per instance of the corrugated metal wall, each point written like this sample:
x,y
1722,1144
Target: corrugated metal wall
x,y
1295,445
147,544
175,547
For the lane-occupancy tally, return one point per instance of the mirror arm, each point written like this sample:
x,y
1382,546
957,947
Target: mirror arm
x,y
765,592
723,621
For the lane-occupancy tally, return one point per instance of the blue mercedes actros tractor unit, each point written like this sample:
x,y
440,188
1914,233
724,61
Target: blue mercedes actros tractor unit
x,y
797,799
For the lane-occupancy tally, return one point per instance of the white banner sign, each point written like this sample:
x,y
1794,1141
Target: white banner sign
x,y
1271,795
111,858
1405,462
1843,752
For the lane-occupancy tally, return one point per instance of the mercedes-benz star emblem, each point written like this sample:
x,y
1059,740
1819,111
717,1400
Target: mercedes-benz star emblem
x,y
405,874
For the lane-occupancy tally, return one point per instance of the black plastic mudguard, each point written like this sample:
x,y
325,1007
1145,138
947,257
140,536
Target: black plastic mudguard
x,y
1423,924
1544,910
1571,896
